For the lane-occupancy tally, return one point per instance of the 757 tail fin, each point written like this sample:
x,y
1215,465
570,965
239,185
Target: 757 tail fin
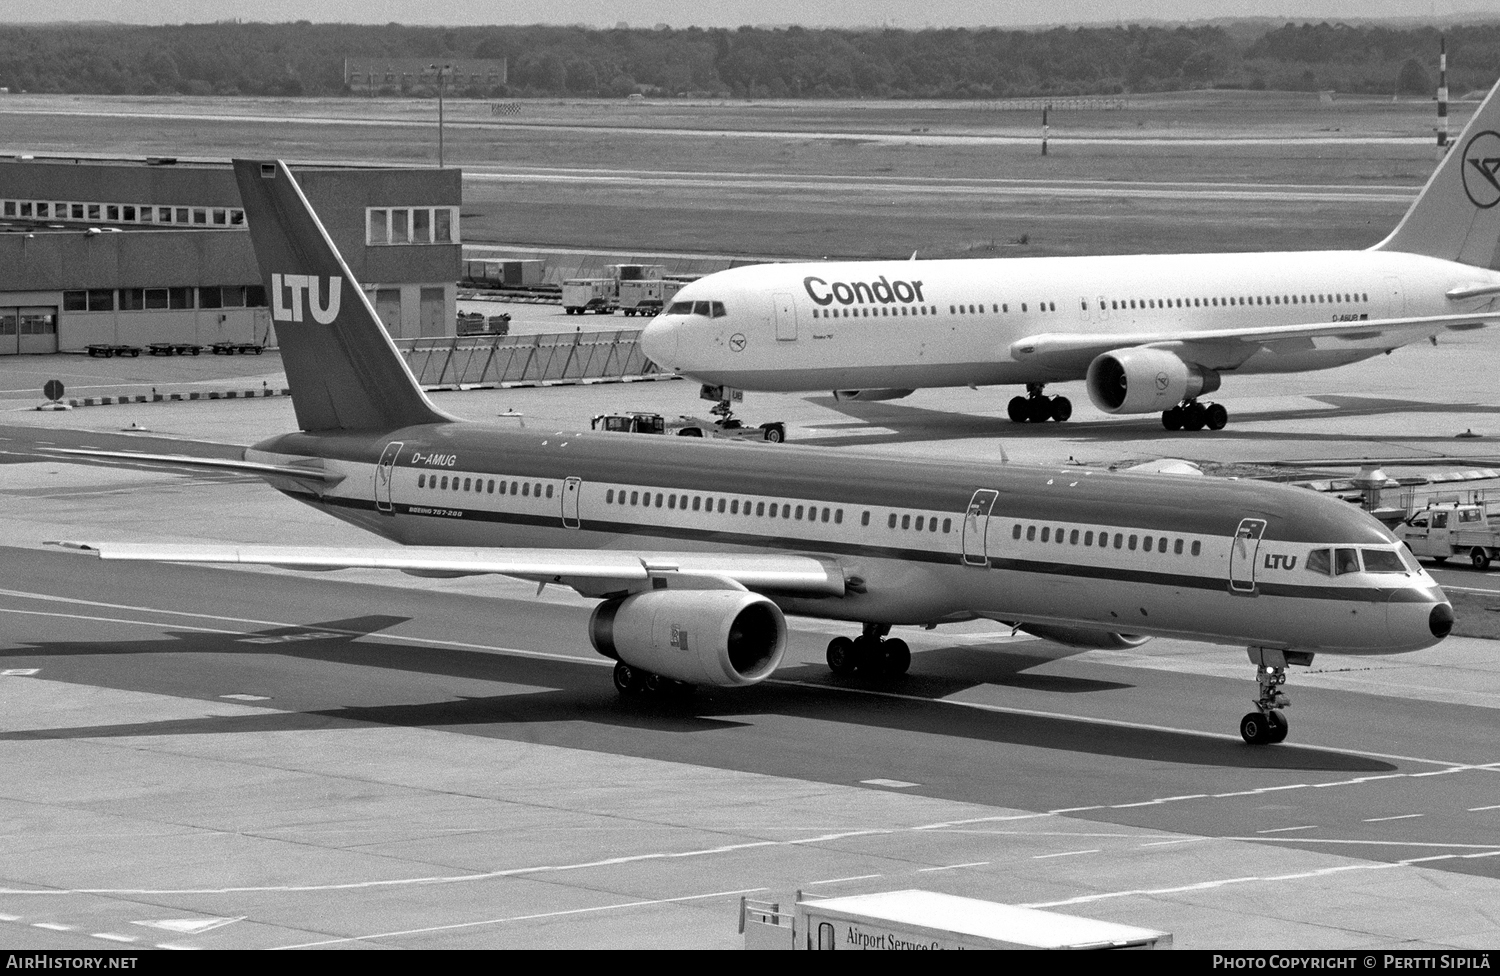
x,y
343,370
1456,216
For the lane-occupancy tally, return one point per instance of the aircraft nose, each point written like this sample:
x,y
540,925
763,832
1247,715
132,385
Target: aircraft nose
x,y
1440,620
660,340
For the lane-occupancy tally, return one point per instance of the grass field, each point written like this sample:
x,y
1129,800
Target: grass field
x,y
937,149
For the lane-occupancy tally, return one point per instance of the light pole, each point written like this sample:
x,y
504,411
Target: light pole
x,y
443,71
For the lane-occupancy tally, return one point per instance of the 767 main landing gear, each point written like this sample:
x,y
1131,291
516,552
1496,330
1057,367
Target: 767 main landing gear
x,y
1268,725
870,653
635,682
1192,415
1034,408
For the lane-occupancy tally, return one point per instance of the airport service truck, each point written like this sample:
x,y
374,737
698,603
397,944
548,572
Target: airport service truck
x,y
1453,530
929,920
635,289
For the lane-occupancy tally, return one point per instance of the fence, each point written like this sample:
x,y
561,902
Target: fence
x,y
569,357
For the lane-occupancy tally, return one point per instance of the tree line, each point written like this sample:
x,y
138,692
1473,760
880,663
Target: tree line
x,y
234,58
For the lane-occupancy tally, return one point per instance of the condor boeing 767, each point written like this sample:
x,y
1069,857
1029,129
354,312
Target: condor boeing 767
x,y
696,549
1147,333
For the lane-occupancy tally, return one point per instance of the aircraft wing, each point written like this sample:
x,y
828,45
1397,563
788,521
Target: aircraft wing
x,y
299,473
1226,349
591,572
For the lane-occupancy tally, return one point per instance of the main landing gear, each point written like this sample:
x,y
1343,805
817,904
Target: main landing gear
x,y
871,653
1034,408
632,682
1267,725
1192,415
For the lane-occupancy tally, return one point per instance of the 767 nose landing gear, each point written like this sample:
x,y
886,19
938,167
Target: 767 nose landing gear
x,y
1192,415
869,653
1034,408
1268,725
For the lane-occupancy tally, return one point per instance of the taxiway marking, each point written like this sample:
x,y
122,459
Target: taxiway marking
x,y
524,918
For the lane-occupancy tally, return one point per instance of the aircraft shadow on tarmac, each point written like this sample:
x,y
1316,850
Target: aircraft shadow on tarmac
x,y
573,704
911,423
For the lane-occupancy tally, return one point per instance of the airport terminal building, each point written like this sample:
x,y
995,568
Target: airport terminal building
x,y
135,252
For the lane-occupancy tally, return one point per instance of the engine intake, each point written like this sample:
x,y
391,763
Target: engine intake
x,y
1145,381
1083,636
726,638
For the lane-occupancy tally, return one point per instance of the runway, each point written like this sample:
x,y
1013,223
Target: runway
x,y
254,758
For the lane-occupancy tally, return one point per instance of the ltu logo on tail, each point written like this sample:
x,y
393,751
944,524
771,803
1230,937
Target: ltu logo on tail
x,y
1481,169
323,296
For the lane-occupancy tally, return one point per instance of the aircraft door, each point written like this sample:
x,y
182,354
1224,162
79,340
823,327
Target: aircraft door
x,y
384,474
571,488
1243,553
977,526
786,317
1395,298
1103,308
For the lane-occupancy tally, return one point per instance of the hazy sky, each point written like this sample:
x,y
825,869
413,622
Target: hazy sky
x,y
723,13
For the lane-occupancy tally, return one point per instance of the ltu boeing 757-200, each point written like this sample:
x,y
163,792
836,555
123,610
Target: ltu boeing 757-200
x,y
1147,333
696,549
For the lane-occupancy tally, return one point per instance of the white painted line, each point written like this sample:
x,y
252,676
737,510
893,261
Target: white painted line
x,y
895,784
1479,809
954,867
114,938
10,918
247,697
53,926
1181,840
1404,816
857,877
1481,854
19,672
528,918
1043,857
1282,830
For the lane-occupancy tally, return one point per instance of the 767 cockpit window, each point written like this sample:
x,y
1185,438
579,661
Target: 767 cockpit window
x,y
706,309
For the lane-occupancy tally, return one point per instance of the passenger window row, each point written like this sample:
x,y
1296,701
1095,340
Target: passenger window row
x,y
1106,539
723,505
878,312
1337,298
479,486
919,523
1002,308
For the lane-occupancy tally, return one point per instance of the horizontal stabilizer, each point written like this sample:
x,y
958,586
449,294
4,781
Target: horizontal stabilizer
x,y
310,474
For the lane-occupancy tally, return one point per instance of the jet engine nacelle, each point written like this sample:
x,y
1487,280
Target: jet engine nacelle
x,y
865,395
1145,381
725,638
1083,636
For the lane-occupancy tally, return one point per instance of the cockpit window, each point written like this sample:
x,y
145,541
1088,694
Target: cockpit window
x,y
1320,561
1345,561
718,309
1383,561
701,308
680,308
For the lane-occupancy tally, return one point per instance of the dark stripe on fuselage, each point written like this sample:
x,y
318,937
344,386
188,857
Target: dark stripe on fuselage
x,y
721,538
1154,503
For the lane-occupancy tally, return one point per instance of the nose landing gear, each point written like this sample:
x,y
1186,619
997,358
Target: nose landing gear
x,y
1035,408
1192,415
1268,725
870,653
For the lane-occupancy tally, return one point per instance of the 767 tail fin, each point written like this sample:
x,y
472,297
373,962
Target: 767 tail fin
x,y
1456,217
343,370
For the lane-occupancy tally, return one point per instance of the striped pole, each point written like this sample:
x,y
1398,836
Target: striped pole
x,y
1442,135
